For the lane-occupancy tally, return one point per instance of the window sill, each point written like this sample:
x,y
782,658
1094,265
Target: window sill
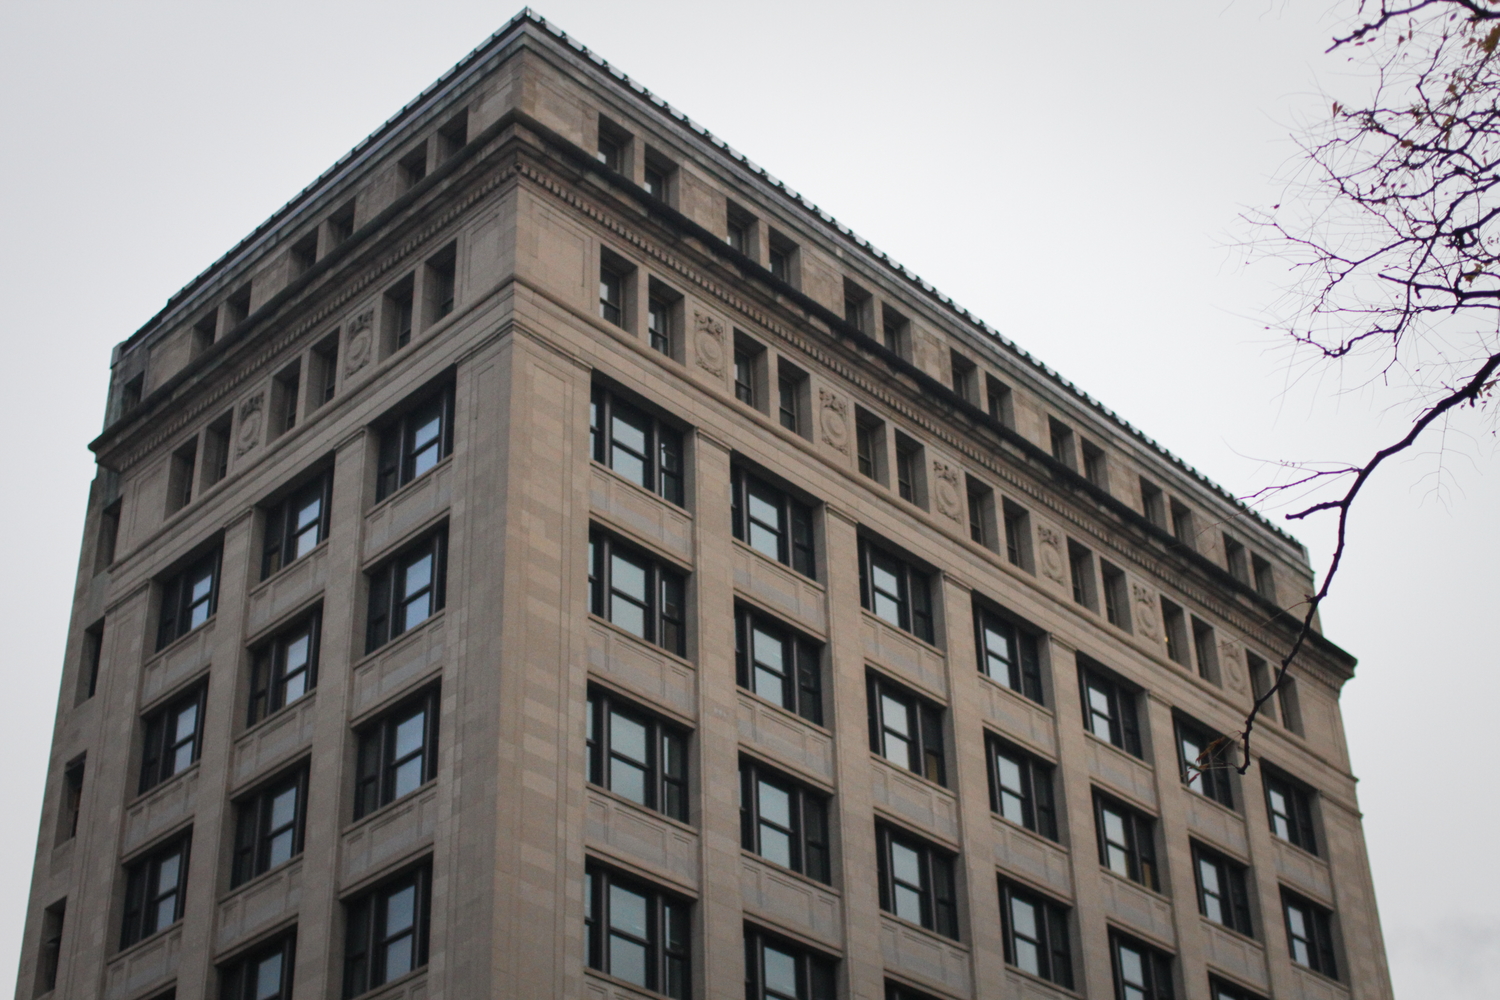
x,y
779,869
155,937
1045,984
606,978
778,564
906,925
393,986
404,639
1212,803
874,619
1156,894
1105,744
1041,839
635,806
412,486
784,712
300,560
1237,935
310,698
637,640
882,761
1013,693
635,487
285,868
182,640
163,786
375,814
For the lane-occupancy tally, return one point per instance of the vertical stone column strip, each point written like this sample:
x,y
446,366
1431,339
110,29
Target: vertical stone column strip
x,y
1173,834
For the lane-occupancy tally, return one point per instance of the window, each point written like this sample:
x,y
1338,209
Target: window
x,y
285,388
131,392
1236,560
70,803
284,669
1063,448
906,729
1127,841
910,482
1291,709
236,308
741,230
453,136
1021,788
216,450
265,974
637,756
407,590
614,146
898,991
1290,809
635,592
916,881
323,378
1036,935
856,307
414,443
268,826
965,377
180,472
783,822
637,445
776,969
295,526
637,933
749,371
1141,972
662,318
1223,896
1218,989
1205,759
413,167
109,535
154,890
612,292
1109,710
1008,654
1260,683
784,259
90,662
440,285
1205,650
1095,465
1153,503
385,932
51,949
1017,536
1116,596
396,315
1309,934
1081,572
1182,525
1174,625
981,513
397,754
660,176
779,665
869,444
205,332
895,332
173,738
341,225
772,522
895,591
998,401
1265,578
792,398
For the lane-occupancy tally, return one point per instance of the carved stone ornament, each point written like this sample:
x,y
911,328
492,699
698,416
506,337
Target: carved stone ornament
x,y
1232,666
361,341
251,416
708,338
833,418
1145,610
945,490
1052,559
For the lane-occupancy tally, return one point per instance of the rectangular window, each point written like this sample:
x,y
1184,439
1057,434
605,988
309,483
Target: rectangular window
x,y
636,755
869,444
910,481
1008,654
906,729
637,933
1021,788
284,669
898,991
614,146
385,931
1127,841
612,292
131,393
50,956
268,826
407,589
895,332
173,738
154,890
1017,536
1062,443
1036,935
779,665
205,332
777,969
70,803
644,597
1182,525
857,304
1153,503
398,754
749,371
1286,701
1260,682
663,319
637,445
396,315
1116,596
415,441
341,225
1223,894
981,513
1205,650
109,536
216,450
1236,559
916,881
783,822
772,522
236,309
323,378
180,472
440,284
740,228
792,399
453,136
1081,572
1265,578
1289,806
965,377
1140,972
895,591
1218,989
90,662
1309,934
784,259
1205,760
998,400
296,525
1109,710
412,167
285,388
1095,465
264,974
660,177
1174,625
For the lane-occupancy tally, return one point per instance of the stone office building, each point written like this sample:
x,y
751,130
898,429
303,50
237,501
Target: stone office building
x,y
550,558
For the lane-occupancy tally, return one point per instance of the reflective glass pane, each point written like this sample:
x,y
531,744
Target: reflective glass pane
x,y
627,737
409,734
775,845
417,575
628,780
400,910
628,577
167,872
908,904
296,652
408,777
906,864
627,960
268,977
893,713
187,723
283,808
775,805
398,956
279,848
771,686
627,911
781,971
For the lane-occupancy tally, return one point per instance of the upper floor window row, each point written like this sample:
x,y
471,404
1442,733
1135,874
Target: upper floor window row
x,y
637,445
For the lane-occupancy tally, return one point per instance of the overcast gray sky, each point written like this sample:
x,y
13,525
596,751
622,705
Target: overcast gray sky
x,y
1072,173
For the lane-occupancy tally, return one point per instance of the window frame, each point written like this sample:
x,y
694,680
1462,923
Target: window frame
x,y
1036,795
365,948
809,838
816,974
160,744
143,890
796,543
936,890
1212,782
664,445
284,529
1022,661
666,588
802,680
667,916
1317,936
1123,711
1230,894
914,605
1155,965
253,829
664,792
1051,922
179,603
399,453
377,763
923,724
268,667
388,599
1301,827
239,979
1138,847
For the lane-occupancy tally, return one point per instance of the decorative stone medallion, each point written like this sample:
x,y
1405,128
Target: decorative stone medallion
x,y
1145,610
833,418
361,341
1052,559
1231,666
945,490
708,338
251,416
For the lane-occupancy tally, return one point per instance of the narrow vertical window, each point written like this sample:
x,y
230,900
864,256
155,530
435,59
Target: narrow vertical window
x,y
1109,710
998,401
154,890
284,669
1236,559
412,167
50,955
1153,503
611,294
1205,760
916,881
286,387
856,307
181,471
415,441
324,377
783,259
614,146
268,827
1182,525
779,665
70,804
216,450
407,589
895,591
397,314
895,332
1017,536
1309,934
792,398
1289,807
1265,578
869,441
906,729
1116,596
173,738
663,306
911,484
1127,841
1062,443
296,525
1261,675
188,599
397,754
1021,788
1223,893
1036,935
386,931
1081,571
1095,465
740,228
772,522
1205,651
441,285
90,662
965,377
1174,625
